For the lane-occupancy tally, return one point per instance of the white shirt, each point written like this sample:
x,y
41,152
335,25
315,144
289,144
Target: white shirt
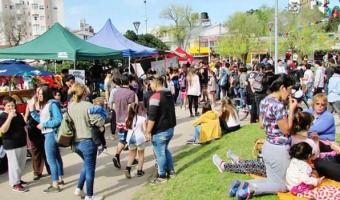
x,y
299,172
194,88
233,121
281,69
137,129
309,75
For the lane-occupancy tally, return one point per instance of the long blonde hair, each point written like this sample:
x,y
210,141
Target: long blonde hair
x,y
191,74
227,109
78,90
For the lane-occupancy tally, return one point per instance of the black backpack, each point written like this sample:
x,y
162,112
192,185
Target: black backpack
x,y
224,81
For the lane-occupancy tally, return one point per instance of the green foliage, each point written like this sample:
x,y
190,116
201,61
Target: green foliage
x,y
148,40
332,25
304,35
197,177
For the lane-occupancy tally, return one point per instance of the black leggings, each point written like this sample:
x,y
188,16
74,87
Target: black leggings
x,y
328,168
193,99
113,122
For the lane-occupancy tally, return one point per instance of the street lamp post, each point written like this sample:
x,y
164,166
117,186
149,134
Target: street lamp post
x,y
146,18
270,27
276,34
136,25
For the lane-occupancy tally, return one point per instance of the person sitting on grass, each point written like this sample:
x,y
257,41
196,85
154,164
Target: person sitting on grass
x,y
300,179
277,123
207,126
229,119
301,123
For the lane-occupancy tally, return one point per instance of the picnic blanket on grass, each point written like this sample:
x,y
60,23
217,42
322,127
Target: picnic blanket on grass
x,y
289,196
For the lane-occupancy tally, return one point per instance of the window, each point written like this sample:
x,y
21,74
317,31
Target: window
x,y
35,27
28,13
42,18
5,6
23,3
48,16
46,6
35,18
34,6
28,3
55,7
10,7
18,18
41,7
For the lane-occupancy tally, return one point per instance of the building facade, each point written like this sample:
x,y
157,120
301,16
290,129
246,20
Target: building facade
x,y
28,18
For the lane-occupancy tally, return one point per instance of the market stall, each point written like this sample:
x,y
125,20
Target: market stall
x,y
17,80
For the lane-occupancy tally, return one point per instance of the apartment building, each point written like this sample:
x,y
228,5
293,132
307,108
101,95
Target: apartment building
x,y
31,17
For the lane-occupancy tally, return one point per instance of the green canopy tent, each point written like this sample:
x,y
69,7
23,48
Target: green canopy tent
x,y
58,44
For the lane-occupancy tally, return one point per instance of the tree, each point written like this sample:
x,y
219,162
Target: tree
x,y
184,21
303,33
148,40
245,29
14,27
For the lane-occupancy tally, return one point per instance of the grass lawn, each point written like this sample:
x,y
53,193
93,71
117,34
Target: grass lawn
x,y
197,177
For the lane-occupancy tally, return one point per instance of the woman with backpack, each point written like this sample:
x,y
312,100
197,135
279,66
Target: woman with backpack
x,y
49,120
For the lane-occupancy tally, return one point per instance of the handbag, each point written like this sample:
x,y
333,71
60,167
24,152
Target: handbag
x,y
67,131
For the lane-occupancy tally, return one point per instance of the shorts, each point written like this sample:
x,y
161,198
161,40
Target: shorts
x,y
122,133
138,147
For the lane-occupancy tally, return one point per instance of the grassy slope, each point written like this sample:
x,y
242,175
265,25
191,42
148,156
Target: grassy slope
x,y
197,177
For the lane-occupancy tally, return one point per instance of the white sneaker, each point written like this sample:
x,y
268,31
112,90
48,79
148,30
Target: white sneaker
x,y
110,137
94,198
79,192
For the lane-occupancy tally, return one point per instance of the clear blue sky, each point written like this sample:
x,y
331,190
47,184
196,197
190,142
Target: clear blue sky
x,y
124,12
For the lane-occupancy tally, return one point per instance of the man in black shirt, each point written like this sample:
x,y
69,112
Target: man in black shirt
x,y
161,123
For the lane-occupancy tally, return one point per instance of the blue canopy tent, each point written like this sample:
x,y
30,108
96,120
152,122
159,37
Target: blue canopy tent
x,y
110,37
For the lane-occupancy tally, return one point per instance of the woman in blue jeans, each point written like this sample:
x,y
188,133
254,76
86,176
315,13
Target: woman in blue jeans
x,y
277,123
84,144
49,120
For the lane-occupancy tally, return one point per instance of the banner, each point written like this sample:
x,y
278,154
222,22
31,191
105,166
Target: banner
x,y
79,75
138,70
160,66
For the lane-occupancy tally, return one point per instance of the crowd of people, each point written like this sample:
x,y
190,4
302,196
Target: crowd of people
x,y
144,110
304,139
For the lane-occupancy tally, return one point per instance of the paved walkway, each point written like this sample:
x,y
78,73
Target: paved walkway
x,y
109,182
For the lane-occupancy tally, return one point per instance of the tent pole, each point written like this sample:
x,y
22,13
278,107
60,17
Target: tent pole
x,y
130,64
55,66
74,65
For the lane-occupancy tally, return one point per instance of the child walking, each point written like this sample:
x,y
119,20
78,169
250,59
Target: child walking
x,y
136,140
99,132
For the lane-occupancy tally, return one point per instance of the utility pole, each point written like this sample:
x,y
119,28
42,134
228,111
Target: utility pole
x,y
146,18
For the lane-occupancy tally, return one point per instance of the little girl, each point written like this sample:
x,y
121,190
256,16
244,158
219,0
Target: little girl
x,y
299,177
136,126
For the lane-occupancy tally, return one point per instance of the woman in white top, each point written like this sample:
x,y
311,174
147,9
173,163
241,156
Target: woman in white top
x,y
193,90
307,80
136,139
229,119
